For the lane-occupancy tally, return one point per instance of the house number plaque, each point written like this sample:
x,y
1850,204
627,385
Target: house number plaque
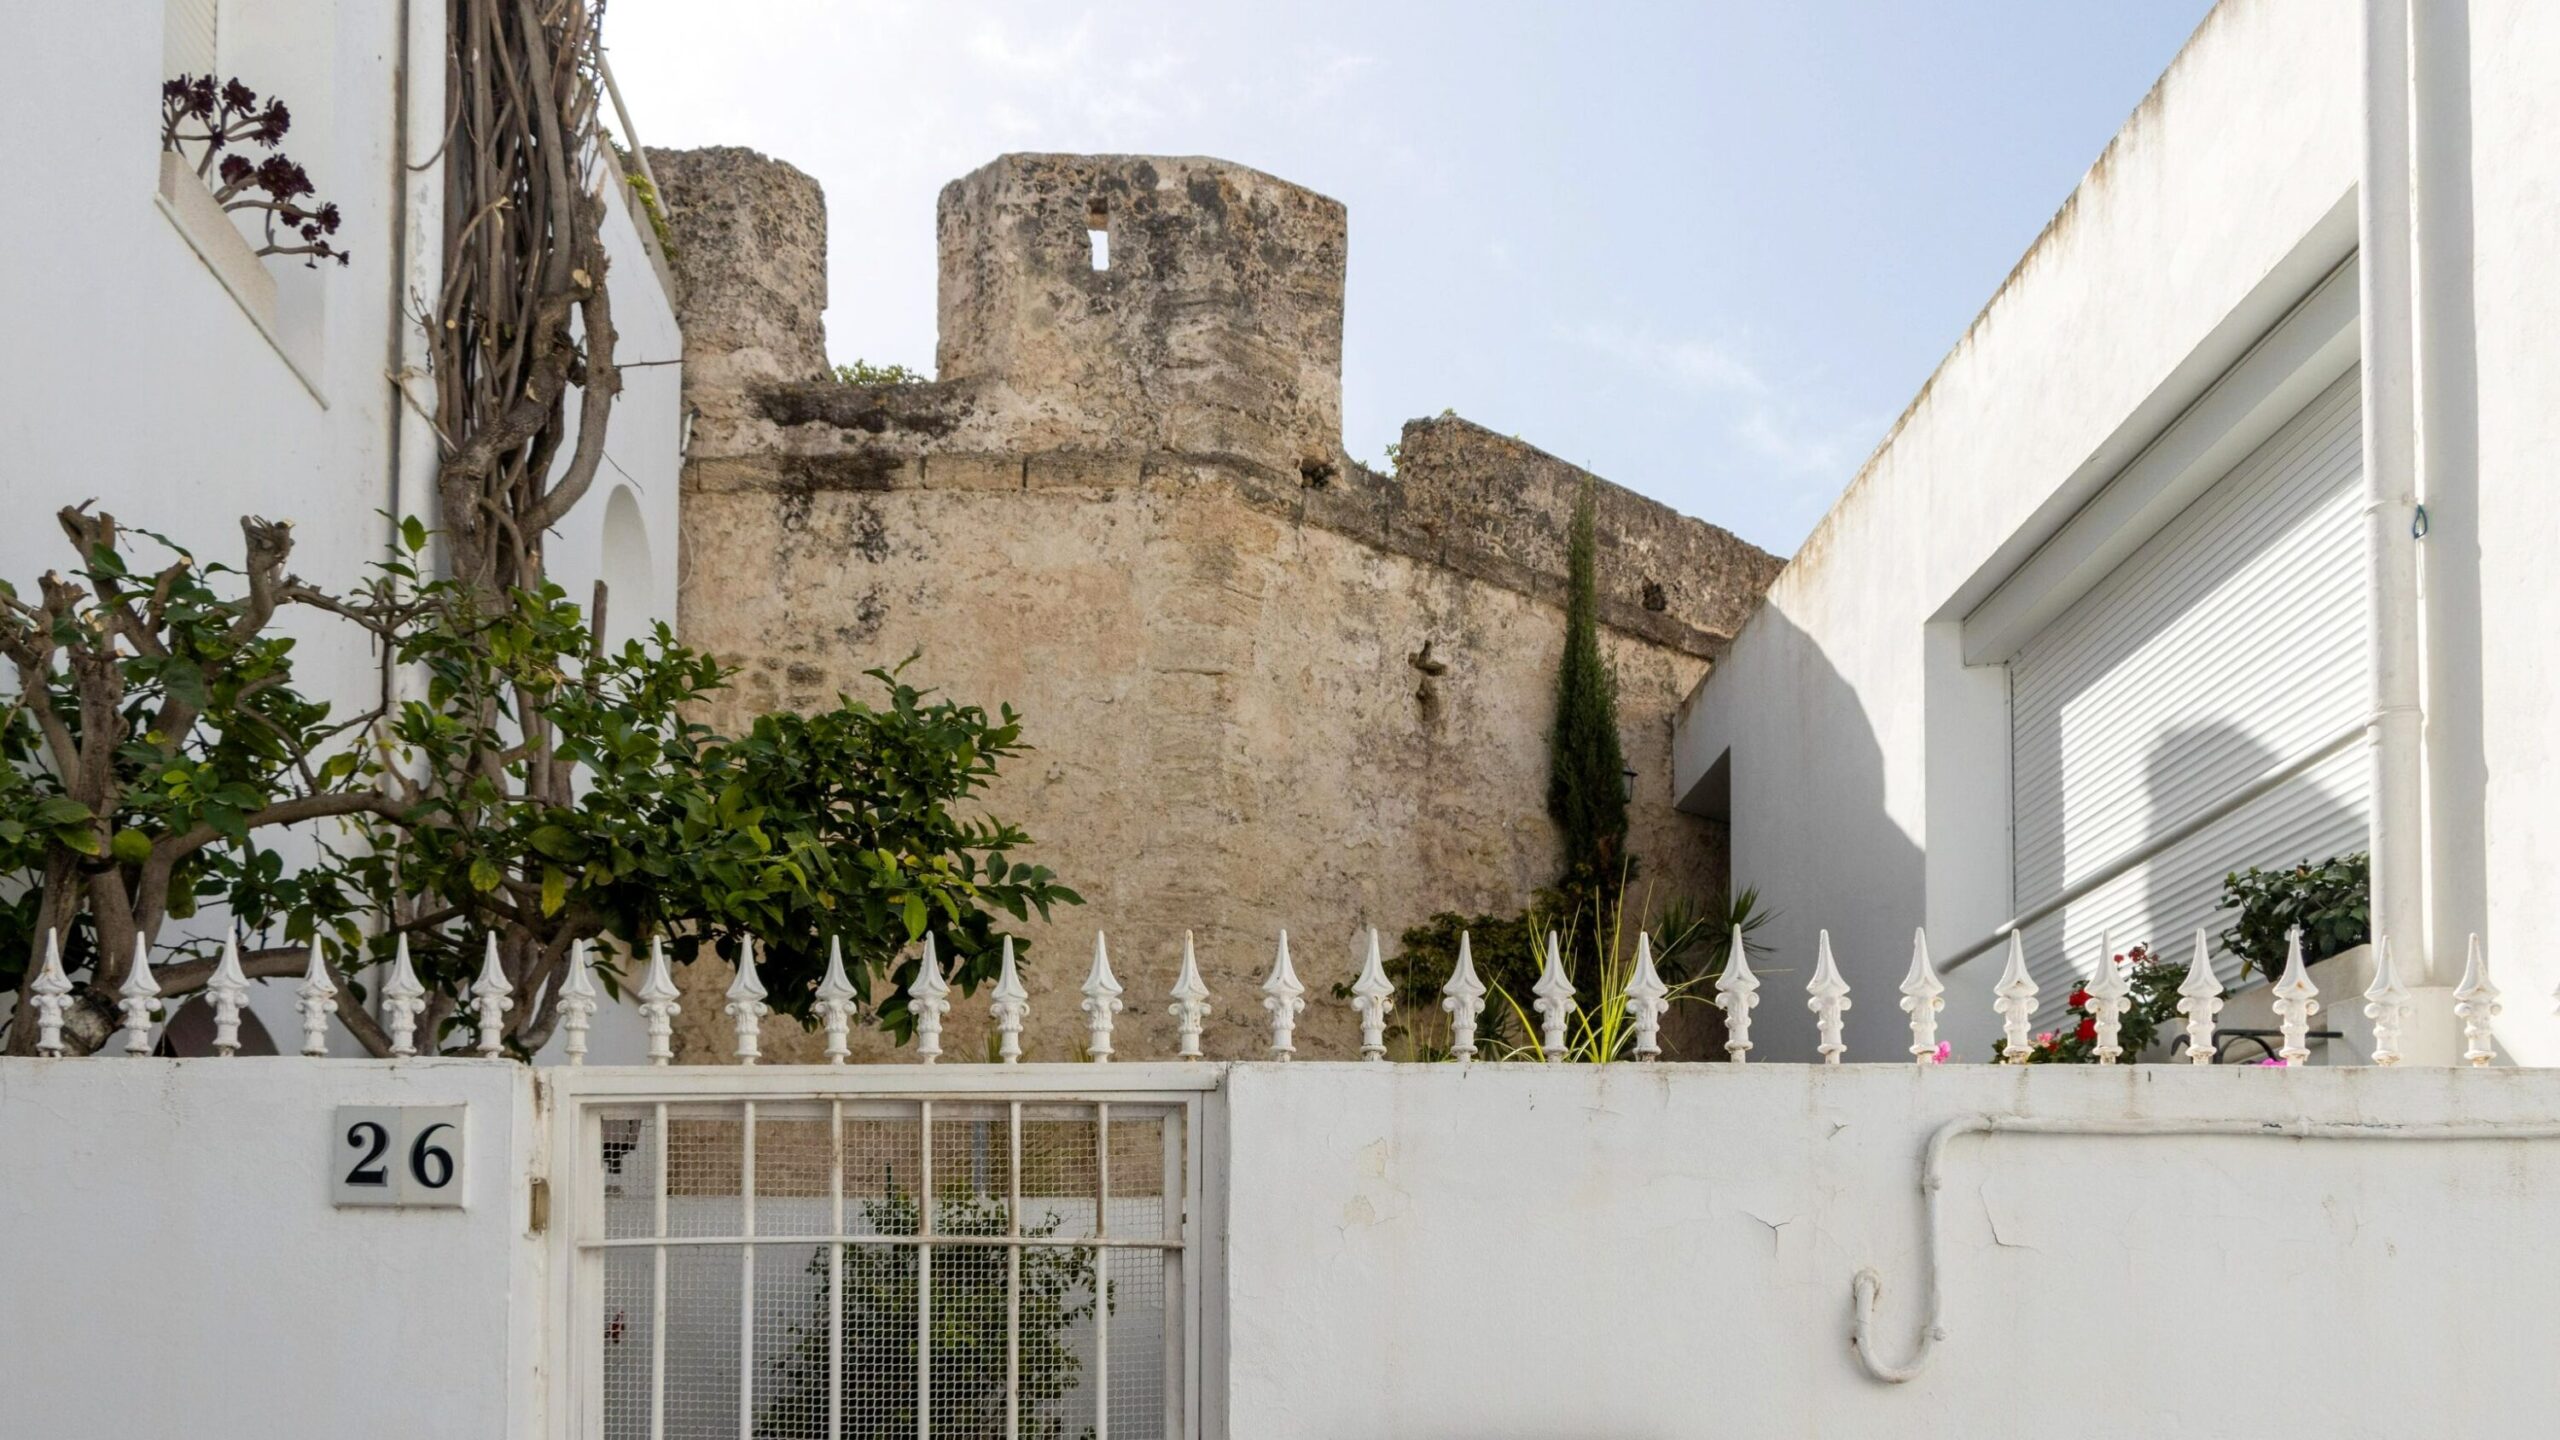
x,y
396,1155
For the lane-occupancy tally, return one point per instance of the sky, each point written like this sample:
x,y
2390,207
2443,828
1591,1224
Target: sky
x,y
1706,250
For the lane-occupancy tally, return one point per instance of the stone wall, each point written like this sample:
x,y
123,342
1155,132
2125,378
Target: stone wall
x,y
1268,686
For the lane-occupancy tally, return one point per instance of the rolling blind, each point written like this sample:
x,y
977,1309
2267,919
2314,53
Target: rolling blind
x,y
187,41
2231,643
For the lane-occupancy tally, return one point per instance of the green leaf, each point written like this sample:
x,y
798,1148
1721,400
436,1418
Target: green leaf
x,y
555,889
914,915
61,810
130,847
485,874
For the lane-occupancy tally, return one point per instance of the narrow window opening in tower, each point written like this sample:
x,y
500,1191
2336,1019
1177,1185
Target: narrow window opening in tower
x,y
1097,233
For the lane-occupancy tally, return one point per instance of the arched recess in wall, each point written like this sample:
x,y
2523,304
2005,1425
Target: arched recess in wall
x,y
630,577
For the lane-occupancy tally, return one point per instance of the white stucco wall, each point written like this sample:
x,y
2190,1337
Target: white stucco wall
x,y
173,1265
1518,1250
2224,199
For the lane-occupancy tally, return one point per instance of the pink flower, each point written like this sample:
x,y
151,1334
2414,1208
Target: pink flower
x,y
2045,1040
2276,1060
1944,1053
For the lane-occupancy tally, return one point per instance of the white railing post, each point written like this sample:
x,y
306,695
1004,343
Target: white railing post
x,y
229,988
1923,996
51,990
140,998
1101,1002
1737,990
1827,996
746,1008
2386,1004
1009,1007
1647,998
1284,995
2296,1001
2475,1003
491,996
317,1002
2014,1000
835,1003
658,1004
577,1003
403,1000
2200,1000
1463,998
1373,997
1554,1002
928,1000
2107,997
1190,996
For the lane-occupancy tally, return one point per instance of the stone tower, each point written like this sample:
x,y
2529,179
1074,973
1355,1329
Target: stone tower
x,y
1268,686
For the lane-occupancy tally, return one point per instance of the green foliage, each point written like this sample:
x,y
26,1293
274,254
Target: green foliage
x,y
863,372
2151,1003
1586,769
2332,902
877,1329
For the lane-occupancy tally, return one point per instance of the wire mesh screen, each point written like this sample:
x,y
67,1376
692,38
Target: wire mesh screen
x,y
859,1269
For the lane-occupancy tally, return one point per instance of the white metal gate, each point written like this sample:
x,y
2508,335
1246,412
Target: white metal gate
x,y
924,1254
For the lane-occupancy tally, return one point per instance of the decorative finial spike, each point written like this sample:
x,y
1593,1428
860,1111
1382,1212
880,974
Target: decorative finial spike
x,y
1010,1006
2014,1000
658,1003
1827,996
1923,996
1190,1005
141,997
403,1000
491,996
1647,998
2296,1001
928,1000
2108,996
1101,1002
2200,999
1284,995
1463,998
577,1004
1737,990
51,990
317,1002
2386,1004
836,1000
1553,1002
229,988
2475,1003
1373,997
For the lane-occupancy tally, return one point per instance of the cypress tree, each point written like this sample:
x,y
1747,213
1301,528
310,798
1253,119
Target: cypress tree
x,y
1586,769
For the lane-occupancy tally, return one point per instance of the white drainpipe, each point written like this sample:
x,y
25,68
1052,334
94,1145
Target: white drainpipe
x,y
2395,737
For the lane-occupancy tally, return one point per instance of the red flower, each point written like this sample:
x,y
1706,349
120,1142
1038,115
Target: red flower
x,y
2079,997
2088,1028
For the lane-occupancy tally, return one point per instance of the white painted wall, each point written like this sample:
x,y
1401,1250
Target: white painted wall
x,y
1519,1250
1868,763
130,374
173,1265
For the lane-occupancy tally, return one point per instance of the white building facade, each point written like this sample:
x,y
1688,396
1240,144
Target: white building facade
x,y
149,360
2216,542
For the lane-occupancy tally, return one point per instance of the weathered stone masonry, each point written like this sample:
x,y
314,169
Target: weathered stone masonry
x,y
1269,686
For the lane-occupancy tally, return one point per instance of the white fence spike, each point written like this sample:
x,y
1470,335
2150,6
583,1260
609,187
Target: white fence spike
x,y
317,1001
2014,1000
1101,1002
1190,995
746,1008
1923,996
1463,998
1009,1007
835,1003
928,1000
2108,995
1827,996
1647,998
1737,990
1373,997
1284,995
51,990
141,997
2386,1004
229,988
403,1000
2296,1000
577,1004
1554,1002
2475,1003
658,1004
492,995
2200,1000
